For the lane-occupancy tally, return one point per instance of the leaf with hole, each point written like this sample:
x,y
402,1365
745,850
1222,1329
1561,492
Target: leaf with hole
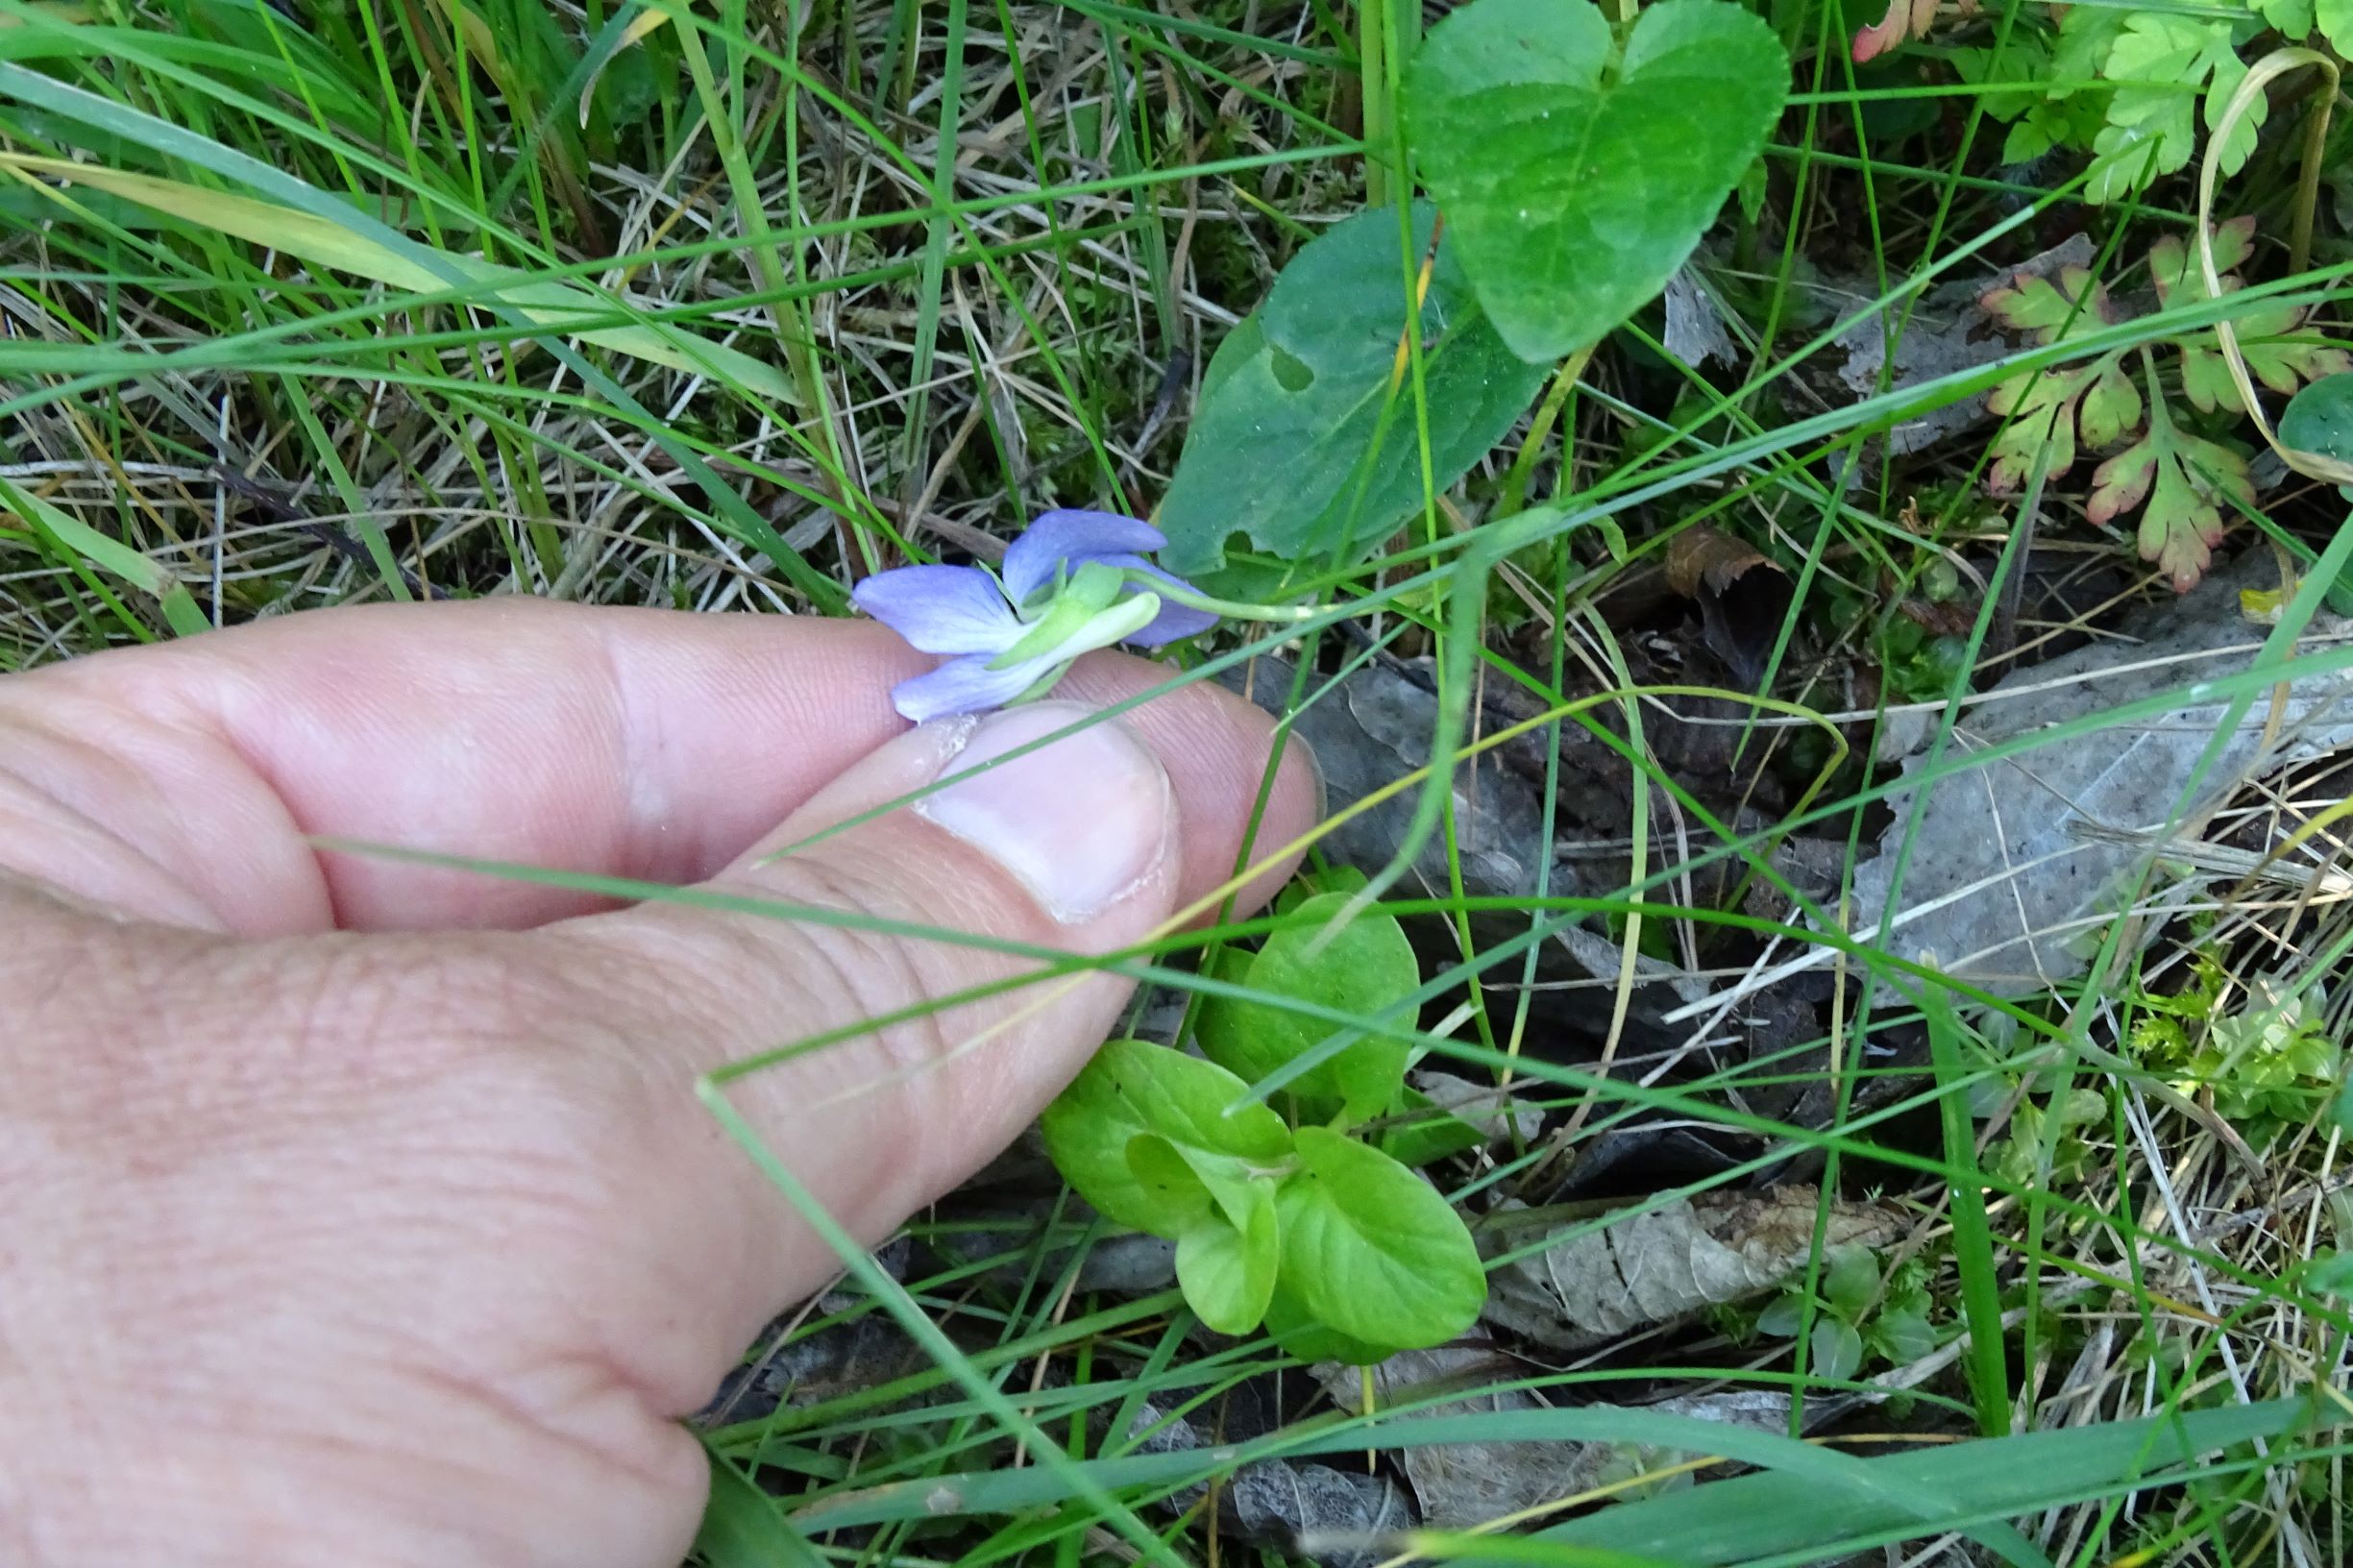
x,y
1133,1089
1306,439
1364,967
1576,175
1372,1250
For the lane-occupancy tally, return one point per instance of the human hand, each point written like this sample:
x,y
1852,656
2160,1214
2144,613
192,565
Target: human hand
x,y
359,1211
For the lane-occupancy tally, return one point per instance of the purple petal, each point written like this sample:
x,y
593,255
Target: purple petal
x,y
941,609
966,685
1073,537
1174,620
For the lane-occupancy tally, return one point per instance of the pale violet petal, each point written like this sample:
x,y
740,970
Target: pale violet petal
x,y
1060,536
1174,620
941,609
966,685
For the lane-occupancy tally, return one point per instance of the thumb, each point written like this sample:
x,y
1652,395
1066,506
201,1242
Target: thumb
x,y
1052,827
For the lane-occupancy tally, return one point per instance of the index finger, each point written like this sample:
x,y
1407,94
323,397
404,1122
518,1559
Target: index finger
x,y
183,781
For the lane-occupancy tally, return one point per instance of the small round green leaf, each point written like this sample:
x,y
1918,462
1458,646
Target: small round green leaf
x,y
1576,177
1852,1280
1132,1089
1781,1317
1364,967
1232,1183
2330,1274
2319,419
1905,1333
1838,1349
1372,1250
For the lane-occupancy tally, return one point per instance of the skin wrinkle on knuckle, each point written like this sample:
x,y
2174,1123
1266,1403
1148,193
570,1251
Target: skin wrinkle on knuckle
x,y
384,1010
681,964
555,1391
542,1098
151,737
34,818
878,972
241,1043
638,741
504,1153
703,968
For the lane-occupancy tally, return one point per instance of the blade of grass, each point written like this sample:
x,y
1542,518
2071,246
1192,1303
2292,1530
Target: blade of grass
x,y
1973,1241
77,542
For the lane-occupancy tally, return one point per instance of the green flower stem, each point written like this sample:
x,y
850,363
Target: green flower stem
x,y
2308,178
1380,105
1230,608
1515,481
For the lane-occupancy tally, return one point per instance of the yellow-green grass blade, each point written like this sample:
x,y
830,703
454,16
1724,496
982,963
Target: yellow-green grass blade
x,y
323,243
75,540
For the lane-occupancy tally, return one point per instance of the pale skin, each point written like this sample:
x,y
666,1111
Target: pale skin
x,y
361,1212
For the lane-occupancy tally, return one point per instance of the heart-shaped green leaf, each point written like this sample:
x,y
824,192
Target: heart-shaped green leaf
x,y
1576,177
1291,446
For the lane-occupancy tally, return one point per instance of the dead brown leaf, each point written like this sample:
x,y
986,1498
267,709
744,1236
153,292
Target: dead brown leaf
x,y
1743,598
1654,1265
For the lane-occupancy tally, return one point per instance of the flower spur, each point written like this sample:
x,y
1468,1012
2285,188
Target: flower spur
x,y
1072,582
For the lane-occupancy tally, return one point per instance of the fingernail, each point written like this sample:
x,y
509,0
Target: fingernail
x,y
1082,822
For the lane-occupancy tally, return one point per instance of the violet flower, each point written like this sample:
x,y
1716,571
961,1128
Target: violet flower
x,y
1068,586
